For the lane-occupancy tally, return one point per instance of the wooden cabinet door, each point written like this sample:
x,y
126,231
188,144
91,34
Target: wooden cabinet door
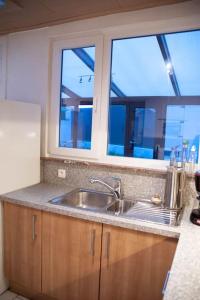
x,y
134,264
71,258
22,246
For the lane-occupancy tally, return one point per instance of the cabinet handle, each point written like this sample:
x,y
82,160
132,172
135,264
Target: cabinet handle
x,y
107,247
165,283
92,242
34,219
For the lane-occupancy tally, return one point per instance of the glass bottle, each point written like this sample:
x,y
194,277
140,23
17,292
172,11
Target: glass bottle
x,y
172,162
192,159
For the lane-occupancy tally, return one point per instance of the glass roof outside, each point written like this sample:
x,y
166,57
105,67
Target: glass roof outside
x,y
138,66
76,75
184,48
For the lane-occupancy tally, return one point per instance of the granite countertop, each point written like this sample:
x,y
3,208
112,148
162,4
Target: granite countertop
x,y
37,196
185,271
183,283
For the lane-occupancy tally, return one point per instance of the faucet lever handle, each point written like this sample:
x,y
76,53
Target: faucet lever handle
x,y
116,178
118,186
117,181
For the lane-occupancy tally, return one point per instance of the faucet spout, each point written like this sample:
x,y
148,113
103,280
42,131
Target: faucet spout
x,y
116,190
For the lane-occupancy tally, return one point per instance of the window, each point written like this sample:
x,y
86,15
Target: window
x,y
76,97
76,86
149,105
154,95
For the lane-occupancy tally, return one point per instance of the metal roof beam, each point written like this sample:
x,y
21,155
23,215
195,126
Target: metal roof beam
x,y
82,54
167,58
69,92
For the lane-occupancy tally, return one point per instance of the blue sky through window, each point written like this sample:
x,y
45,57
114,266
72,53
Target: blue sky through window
x,y
184,48
154,72
76,75
138,67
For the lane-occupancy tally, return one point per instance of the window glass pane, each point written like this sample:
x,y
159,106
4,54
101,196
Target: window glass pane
x,y
76,95
184,49
154,95
182,123
117,130
137,64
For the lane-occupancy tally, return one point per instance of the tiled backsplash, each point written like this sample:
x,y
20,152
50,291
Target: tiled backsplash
x,y
134,183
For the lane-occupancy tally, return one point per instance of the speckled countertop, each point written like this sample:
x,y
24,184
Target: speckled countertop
x,y
37,196
183,283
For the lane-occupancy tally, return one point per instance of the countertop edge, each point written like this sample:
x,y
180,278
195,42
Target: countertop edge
x,y
127,223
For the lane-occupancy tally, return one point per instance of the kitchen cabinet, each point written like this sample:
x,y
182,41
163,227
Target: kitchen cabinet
x,y
134,264
71,258
22,249
55,257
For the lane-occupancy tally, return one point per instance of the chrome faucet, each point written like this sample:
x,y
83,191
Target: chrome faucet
x,y
115,190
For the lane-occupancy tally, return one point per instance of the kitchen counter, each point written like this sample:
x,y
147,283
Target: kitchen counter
x,y
37,196
185,271
183,283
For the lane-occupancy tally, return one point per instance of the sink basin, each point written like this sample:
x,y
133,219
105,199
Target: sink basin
x,y
106,203
85,199
101,202
120,207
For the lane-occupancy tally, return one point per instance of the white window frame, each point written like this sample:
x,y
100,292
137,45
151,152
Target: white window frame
x,y
53,141
100,129
108,37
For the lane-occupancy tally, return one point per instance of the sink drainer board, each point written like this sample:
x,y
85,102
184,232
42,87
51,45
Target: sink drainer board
x,y
156,214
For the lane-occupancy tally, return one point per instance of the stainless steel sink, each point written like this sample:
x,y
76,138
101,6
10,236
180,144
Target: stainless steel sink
x,y
85,199
120,207
139,209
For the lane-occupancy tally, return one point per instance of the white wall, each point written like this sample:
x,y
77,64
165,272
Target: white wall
x,y
28,52
27,70
3,55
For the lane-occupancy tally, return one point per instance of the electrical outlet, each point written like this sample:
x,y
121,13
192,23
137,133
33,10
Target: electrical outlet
x,y
61,173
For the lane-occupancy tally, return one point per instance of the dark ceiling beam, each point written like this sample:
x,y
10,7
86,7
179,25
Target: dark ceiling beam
x,y
167,58
69,92
82,54
151,100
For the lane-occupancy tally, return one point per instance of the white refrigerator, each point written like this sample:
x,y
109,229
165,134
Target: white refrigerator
x,y
19,154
